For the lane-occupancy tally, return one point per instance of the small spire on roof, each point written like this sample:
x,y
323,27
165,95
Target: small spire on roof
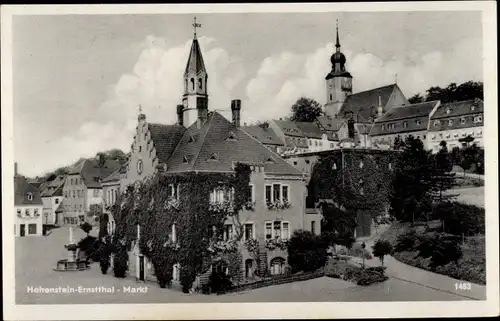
x,y
338,41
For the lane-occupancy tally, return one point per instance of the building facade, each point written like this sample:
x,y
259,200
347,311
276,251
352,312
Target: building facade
x,y
452,122
28,206
110,194
52,197
403,121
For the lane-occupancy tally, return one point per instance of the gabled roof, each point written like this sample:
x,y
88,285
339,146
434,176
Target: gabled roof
x,y
364,104
114,177
266,136
165,139
408,118
53,187
22,190
211,139
328,123
310,129
459,108
195,62
92,173
289,128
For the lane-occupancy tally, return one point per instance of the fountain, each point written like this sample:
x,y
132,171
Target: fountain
x,y
71,263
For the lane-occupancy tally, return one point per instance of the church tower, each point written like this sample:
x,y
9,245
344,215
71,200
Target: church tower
x,y
338,82
195,98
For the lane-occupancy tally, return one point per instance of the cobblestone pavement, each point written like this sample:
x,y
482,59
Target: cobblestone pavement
x,y
37,256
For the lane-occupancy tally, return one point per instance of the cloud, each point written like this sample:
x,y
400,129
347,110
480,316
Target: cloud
x,y
283,78
155,82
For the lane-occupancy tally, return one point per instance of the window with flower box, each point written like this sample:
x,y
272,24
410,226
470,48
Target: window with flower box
x,y
27,212
227,232
251,197
277,229
277,192
174,190
249,231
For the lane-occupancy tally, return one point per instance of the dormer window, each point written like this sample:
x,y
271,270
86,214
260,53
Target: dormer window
x,y
30,196
472,108
231,136
448,110
450,122
213,157
269,160
382,127
191,139
462,120
185,160
419,122
405,124
437,122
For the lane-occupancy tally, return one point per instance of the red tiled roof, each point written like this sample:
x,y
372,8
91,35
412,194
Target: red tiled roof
x,y
21,191
266,136
218,144
364,104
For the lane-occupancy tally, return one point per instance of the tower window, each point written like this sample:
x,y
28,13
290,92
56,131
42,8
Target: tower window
x,y
200,83
192,83
331,97
186,84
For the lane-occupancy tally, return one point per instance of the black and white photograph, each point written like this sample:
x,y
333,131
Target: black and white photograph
x,y
313,156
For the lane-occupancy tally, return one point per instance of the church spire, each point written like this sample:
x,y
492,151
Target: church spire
x,y
338,41
195,63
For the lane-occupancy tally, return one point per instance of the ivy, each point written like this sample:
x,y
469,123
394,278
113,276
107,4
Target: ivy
x,y
149,203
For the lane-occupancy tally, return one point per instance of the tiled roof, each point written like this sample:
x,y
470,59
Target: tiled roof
x,y
266,136
165,139
218,144
327,123
289,128
115,176
459,108
364,104
408,118
310,129
21,191
53,187
195,61
92,174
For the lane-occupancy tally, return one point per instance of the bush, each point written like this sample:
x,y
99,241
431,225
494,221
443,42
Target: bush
x,y
186,278
358,251
306,252
367,278
382,248
219,283
89,245
406,242
86,227
461,218
120,266
356,274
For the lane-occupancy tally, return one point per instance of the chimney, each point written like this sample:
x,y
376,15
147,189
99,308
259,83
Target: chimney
x,y
15,169
236,109
180,120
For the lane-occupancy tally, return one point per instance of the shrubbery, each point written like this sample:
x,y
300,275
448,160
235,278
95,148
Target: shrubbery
x,y
120,261
353,273
186,279
306,252
382,248
459,218
219,283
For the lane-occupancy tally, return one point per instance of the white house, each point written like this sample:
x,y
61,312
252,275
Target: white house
x,y
28,208
52,197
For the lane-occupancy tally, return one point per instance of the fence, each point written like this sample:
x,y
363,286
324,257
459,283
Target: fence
x,y
279,280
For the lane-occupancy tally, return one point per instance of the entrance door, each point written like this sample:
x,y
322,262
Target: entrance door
x,y
22,232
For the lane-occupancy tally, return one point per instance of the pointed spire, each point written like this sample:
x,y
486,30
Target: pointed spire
x,y
338,41
195,62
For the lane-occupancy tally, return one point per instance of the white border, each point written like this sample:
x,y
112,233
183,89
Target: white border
x,y
258,310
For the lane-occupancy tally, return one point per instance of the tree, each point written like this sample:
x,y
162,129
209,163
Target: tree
x,y
338,225
442,178
382,248
86,227
305,110
306,251
95,210
398,143
412,184
415,99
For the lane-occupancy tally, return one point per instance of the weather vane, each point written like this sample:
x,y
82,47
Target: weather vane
x,y
196,25
140,109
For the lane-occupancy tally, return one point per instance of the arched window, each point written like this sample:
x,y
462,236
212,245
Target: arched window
x,y
200,83
186,85
192,83
248,268
331,97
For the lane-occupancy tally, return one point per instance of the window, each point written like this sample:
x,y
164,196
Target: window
x,y
269,230
277,229
462,120
310,142
315,143
228,232
268,193
437,122
448,110
65,193
286,230
313,227
450,122
27,212
19,212
74,193
405,124
35,212
140,148
277,266
276,192
307,161
30,196
31,228
419,122
381,127
217,195
249,231
174,233
200,83
96,193
192,83
174,190
425,136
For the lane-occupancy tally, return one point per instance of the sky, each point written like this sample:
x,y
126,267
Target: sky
x,y
78,79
